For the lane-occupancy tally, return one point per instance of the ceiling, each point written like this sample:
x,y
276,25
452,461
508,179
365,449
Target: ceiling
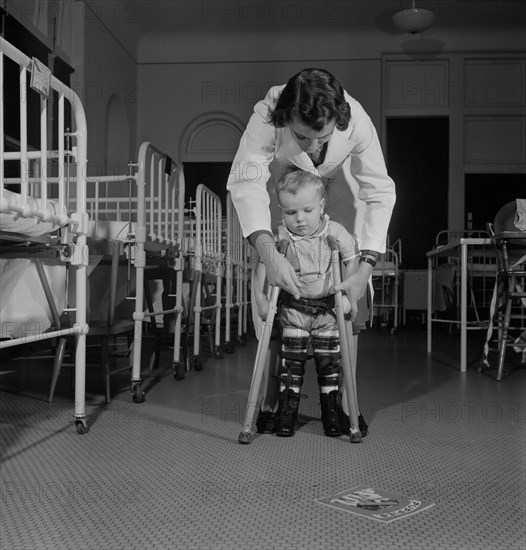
x,y
129,21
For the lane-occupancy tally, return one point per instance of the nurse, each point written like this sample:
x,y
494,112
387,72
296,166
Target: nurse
x,y
314,124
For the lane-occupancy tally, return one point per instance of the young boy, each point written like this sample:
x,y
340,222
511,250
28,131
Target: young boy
x,y
303,241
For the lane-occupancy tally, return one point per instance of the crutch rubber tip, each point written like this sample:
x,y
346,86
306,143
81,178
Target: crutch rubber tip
x,y
355,436
245,438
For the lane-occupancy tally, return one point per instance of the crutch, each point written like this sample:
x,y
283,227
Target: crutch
x,y
346,345
259,366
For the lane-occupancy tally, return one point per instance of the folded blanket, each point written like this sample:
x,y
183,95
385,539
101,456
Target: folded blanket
x,y
32,227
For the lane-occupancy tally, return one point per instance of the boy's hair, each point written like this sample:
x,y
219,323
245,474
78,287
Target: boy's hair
x,y
294,179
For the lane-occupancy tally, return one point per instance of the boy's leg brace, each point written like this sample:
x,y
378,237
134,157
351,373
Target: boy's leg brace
x,y
326,351
293,358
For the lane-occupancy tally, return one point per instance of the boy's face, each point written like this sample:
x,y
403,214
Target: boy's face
x,y
302,211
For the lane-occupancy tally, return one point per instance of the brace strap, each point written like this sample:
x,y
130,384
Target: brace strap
x,y
309,306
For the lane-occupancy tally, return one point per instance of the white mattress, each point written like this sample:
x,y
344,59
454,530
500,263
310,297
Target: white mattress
x,y
110,230
23,306
32,227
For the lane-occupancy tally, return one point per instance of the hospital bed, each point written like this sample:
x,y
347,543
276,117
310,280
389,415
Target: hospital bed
x,y
236,278
43,232
204,269
134,240
160,246
386,285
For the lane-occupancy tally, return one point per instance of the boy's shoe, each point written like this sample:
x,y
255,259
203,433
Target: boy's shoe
x,y
265,423
287,414
331,405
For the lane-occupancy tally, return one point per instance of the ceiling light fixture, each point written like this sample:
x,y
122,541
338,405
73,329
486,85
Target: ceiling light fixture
x,y
414,19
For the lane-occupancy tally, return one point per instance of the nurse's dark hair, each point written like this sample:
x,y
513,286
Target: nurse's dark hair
x,y
315,98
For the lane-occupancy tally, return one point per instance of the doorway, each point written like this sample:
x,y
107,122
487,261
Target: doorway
x,y
418,161
486,193
212,174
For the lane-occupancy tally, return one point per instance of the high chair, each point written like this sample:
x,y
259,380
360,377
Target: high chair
x,y
508,308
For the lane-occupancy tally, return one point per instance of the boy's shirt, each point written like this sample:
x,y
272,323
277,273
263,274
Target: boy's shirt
x,y
311,256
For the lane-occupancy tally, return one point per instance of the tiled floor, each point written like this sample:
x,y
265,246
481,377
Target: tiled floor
x,y
169,473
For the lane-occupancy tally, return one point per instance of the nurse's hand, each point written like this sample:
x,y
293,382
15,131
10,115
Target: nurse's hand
x,y
279,271
355,285
263,307
349,308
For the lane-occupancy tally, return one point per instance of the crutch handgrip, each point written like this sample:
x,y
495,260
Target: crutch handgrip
x,y
346,344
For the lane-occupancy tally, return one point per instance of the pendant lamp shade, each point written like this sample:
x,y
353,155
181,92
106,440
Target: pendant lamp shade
x,y
414,19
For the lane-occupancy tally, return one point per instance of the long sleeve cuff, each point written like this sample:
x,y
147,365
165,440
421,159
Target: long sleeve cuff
x,y
253,236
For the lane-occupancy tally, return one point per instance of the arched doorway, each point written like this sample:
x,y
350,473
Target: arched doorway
x,y
208,146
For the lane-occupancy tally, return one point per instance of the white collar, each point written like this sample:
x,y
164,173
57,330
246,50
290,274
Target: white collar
x,y
322,230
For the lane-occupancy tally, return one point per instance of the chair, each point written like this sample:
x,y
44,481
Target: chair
x,y
102,333
508,311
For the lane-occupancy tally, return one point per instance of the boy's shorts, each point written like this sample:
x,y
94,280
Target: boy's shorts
x,y
359,324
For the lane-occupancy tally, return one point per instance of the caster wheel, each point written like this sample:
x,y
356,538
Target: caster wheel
x,y
245,438
218,352
178,371
229,347
137,393
196,363
242,340
81,426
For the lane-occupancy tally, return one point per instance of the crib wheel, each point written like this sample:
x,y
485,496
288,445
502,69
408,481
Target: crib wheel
x,y
81,426
218,352
242,340
196,363
137,393
178,370
229,347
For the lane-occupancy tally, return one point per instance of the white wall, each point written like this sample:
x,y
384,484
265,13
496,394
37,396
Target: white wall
x,y
110,78
184,74
105,72
161,64
171,97
210,72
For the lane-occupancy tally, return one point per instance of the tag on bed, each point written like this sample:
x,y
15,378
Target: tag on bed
x,y
40,77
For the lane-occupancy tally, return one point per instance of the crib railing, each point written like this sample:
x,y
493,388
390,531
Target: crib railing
x,y
160,219
161,187
208,258
235,273
42,87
